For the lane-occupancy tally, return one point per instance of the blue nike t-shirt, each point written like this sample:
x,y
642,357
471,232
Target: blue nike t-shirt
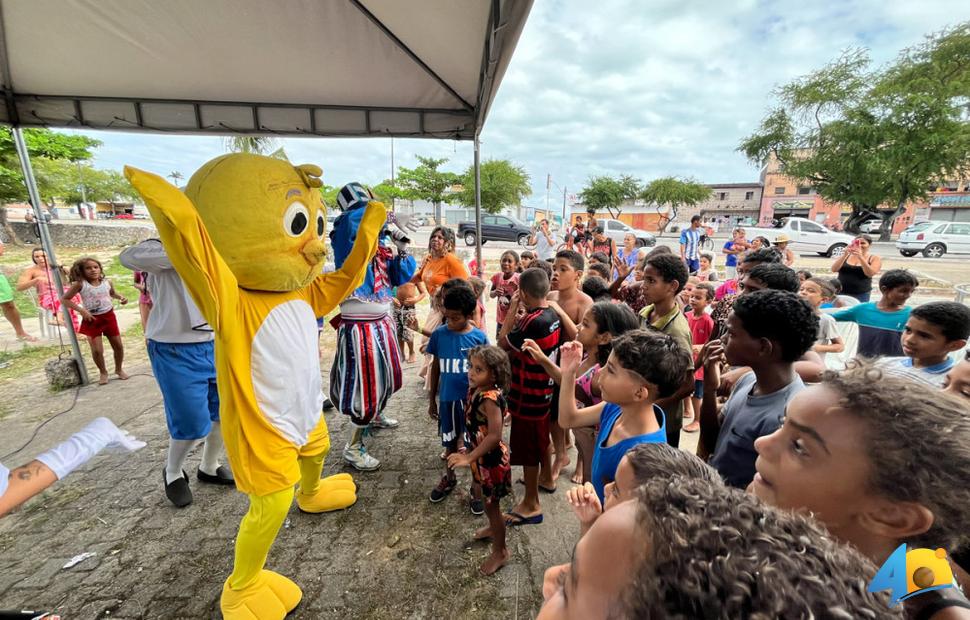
x,y
451,350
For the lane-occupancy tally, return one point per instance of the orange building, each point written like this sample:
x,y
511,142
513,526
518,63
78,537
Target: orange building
x,y
784,197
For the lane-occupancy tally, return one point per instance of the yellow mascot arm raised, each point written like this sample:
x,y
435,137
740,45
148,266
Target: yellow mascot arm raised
x,y
205,274
330,289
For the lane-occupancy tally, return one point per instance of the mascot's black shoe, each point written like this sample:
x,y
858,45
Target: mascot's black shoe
x,y
178,492
223,475
327,404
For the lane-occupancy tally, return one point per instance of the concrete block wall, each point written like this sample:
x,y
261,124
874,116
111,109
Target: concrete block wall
x,y
84,235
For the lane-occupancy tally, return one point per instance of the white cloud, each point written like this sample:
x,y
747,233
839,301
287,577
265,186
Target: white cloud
x,y
617,86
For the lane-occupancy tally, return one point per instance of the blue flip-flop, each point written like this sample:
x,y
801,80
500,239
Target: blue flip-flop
x,y
514,519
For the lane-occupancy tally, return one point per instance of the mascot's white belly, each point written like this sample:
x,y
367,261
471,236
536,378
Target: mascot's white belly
x,y
286,370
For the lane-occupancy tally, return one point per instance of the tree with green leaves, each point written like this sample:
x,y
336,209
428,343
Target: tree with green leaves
x,y
875,139
427,182
176,177
503,185
329,195
673,193
388,191
41,143
256,145
605,192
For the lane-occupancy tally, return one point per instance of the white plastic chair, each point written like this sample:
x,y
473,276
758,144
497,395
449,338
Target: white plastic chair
x,y
43,314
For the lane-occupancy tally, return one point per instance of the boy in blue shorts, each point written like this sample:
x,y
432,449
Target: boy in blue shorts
x,y
881,323
933,331
448,374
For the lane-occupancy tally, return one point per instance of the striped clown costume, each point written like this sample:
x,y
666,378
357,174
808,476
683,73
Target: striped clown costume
x,y
366,371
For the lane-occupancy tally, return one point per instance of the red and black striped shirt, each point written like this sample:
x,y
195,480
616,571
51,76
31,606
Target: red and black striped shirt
x,y
532,387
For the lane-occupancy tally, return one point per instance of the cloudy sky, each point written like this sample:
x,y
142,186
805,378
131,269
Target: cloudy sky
x,y
666,87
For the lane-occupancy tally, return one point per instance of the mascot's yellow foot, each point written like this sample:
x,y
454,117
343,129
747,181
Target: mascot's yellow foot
x,y
339,482
270,597
331,495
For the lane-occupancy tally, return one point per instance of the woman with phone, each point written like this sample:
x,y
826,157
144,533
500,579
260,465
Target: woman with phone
x,y
856,267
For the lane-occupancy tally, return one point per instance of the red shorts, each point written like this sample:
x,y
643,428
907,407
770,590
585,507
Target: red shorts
x,y
101,325
529,440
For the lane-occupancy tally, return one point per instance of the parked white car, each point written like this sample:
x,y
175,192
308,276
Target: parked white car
x,y
616,230
934,239
806,236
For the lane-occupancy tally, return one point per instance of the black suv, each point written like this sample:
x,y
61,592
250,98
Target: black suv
x,y
496,228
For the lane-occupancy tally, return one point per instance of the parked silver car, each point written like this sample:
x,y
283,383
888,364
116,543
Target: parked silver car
x,y
934,239
616,230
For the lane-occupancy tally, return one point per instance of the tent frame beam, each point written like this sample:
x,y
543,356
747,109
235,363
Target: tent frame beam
x,y
138,123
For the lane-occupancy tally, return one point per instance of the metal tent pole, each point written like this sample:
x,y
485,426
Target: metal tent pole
x,y
45,240
478,209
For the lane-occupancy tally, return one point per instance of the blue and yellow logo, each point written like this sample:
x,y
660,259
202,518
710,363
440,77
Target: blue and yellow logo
x,y
908,573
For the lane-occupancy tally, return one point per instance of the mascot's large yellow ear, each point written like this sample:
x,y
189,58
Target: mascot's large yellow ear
x,y
156,191
310,174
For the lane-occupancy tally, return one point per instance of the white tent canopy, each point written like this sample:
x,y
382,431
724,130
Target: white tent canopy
x,y
413,68
419,68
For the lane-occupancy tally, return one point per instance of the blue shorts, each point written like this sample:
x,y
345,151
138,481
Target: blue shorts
x,y
186,374
698,388
451,423
693,265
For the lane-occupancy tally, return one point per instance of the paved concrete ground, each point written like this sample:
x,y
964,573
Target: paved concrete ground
x,y
392,555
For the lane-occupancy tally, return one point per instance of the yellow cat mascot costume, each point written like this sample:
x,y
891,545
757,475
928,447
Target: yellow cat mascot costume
x,y
247,239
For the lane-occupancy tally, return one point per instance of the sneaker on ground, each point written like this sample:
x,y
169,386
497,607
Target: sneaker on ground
x,y
445,486
358,457
383,421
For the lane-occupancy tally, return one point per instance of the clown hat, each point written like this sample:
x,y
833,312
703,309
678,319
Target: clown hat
x,y
353,196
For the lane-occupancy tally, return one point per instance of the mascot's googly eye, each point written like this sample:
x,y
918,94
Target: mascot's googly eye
x,y
320,225
296,219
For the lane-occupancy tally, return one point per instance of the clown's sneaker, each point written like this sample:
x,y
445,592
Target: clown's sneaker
x,y
269,597
358,456
382,421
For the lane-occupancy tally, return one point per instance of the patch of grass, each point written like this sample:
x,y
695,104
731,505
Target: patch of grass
x,y
25,361
133,332
23,301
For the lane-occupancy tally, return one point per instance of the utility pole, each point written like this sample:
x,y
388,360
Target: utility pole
x,y
392,172
565,216
548,183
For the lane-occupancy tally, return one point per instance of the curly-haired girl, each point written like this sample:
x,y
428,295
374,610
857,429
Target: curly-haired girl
x,y
88,279
488,377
